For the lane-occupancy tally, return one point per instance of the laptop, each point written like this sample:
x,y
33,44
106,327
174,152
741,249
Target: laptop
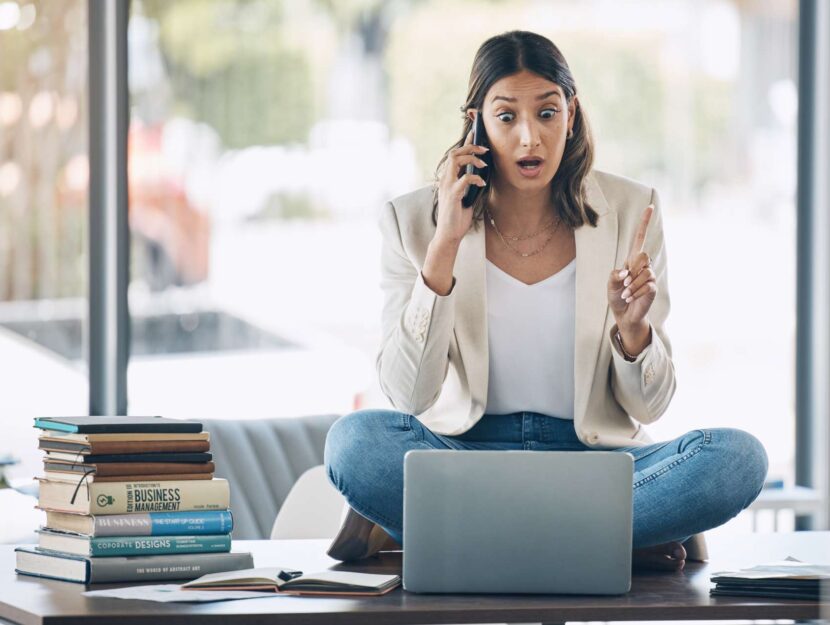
x,y
541,522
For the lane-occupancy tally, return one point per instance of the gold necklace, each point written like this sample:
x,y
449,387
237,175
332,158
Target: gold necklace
x,y
523,254
520,238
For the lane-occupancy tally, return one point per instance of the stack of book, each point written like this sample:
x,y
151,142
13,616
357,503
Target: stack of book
x,y
789,578
129,499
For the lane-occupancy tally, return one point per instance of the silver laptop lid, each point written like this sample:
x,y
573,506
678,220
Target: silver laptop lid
x,y
517,521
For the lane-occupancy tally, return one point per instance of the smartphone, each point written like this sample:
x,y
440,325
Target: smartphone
x,y
479,138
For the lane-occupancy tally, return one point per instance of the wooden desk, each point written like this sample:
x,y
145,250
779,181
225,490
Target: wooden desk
x,y
654,596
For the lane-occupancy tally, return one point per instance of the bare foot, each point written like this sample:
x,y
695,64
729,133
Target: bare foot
x,y
669,556
390,544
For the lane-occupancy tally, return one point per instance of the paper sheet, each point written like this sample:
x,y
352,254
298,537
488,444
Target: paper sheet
x,y
171,593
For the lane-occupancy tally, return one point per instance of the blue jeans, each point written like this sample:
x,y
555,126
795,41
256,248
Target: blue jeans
x,y
681,487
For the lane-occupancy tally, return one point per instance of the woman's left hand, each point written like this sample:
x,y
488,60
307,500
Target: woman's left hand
x,y
632,289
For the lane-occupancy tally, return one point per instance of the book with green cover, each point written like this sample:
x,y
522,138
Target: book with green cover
x,y
109,546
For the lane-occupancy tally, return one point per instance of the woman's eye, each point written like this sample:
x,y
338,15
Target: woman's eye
x,y
506,117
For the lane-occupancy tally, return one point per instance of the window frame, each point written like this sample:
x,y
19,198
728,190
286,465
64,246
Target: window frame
x,y
108,329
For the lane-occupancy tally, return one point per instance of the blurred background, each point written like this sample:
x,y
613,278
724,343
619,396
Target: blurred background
x,y
266,134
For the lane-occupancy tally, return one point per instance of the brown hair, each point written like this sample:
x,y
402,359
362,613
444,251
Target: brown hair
x,y
505,55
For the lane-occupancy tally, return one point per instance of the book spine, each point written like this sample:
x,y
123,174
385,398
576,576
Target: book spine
x,y
51,425
164,523
122,447
157,545
114,469
173,496
139,428
156,568
62,476
75,458
167,427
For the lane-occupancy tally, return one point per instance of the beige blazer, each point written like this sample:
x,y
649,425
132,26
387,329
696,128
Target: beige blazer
x,y
433,360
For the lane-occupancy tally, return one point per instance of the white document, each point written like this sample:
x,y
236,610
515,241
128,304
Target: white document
x,y
171,593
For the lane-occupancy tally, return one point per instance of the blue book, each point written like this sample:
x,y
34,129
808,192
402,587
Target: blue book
x,y
143,524
108,546
109,425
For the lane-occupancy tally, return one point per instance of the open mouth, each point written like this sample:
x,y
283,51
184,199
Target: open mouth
x,y
530,163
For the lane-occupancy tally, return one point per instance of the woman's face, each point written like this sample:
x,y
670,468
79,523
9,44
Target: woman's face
x,y
526,116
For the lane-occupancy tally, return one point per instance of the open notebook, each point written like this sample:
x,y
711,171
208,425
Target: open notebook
x,y
291,581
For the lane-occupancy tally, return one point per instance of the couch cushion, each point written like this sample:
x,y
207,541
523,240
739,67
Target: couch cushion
x,y
262,459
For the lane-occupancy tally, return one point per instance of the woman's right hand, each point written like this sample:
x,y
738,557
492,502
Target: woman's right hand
x,y
453,219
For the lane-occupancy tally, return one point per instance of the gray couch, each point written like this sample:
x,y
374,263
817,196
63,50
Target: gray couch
x,y
262,459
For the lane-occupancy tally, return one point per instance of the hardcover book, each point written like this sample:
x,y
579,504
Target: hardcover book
x,y
116,424
75,568
109,546
129,468
122,447
113,458
74,478
124,436
127,497
145,524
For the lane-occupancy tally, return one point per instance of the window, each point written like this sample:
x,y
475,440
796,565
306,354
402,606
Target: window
x,y
43,222
266,135
253,247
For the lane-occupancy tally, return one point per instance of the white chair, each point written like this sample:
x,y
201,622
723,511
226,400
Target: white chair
x,y
312,508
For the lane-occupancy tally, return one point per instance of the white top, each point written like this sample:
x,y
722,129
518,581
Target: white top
x,y
531,333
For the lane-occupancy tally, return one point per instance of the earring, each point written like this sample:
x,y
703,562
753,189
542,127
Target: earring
x,y
571,133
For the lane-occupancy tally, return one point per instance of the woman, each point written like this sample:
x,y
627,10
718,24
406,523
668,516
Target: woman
x,y
532,320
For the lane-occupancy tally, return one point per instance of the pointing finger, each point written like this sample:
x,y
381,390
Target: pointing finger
x,y
640,235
